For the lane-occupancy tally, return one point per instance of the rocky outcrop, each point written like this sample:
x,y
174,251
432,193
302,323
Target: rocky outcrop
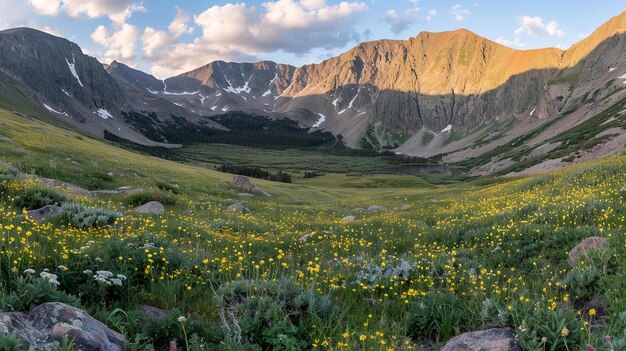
x,y
580,251
245,184
497,339
152,207
52,322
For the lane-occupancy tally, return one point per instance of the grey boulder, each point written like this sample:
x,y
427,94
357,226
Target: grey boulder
x,y
496,339
583,248
238,207
245,184
45,213
152,207
49,323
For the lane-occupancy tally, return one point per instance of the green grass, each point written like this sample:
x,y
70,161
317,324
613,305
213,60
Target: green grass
x,y
291,275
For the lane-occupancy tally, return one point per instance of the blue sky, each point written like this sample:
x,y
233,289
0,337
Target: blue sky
x,y
169,37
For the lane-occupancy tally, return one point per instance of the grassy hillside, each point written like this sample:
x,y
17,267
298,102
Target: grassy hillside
x,y
291,274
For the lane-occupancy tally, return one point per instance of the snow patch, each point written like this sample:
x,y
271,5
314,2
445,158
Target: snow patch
x,y
202,98
154,92
319,122
177,104
72,67
611,69
622,77
55,111
268,92
533,111
225,108
65,92
244,89
183,93
447,129
213,108
104,114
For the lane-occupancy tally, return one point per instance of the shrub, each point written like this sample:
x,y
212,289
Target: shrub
x,y
439,316
85,217
172,188
559,330
31,291
35,197
583,281
142,197
171,328
276,315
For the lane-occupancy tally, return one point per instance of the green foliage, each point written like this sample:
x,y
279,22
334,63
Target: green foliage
x,y
256,172
172,188
583,281
84,217
35,197
438,317
142,197
172,327
30,291
273,315
11,342
559,330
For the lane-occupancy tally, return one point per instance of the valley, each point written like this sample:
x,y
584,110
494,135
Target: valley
x,y
443,192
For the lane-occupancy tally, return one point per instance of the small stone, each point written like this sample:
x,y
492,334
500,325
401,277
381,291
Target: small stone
x,y
583,248
405,208
375,208
349,218
238,207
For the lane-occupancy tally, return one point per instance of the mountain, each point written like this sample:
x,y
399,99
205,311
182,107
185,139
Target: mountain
x,y
453,95
45,74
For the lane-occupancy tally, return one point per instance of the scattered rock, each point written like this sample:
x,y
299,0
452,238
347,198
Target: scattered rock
x,y
45,213
55,182
53,321
238,207
497,339
349,218
306,237
581,249
152,207
405,208
243,183
151,314
245,195
375,208
359,209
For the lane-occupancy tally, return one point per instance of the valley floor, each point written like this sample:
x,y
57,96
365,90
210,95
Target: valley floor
x,y
296,272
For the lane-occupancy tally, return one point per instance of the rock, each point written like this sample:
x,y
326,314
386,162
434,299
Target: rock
x,y
243,183
124,188
245,195
152,207
375,208
151,314
57,183
359,209
349,218
581,249
45,213
238,207
53,321
497,339
405,208
306,237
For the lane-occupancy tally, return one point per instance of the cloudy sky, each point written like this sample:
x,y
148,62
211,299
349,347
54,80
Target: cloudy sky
x,y
167,37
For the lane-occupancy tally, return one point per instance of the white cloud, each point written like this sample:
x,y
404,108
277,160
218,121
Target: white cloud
x,y
120,44
117,10
431,14
400,22
46,7
459,12
534,26
179,25
238,31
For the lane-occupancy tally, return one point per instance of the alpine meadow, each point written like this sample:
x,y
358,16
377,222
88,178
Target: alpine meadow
x,y
377,191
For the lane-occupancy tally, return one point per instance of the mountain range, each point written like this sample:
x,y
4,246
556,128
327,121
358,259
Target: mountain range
x,y
453,96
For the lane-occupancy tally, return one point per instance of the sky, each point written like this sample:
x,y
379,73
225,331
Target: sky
x,y
169,37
